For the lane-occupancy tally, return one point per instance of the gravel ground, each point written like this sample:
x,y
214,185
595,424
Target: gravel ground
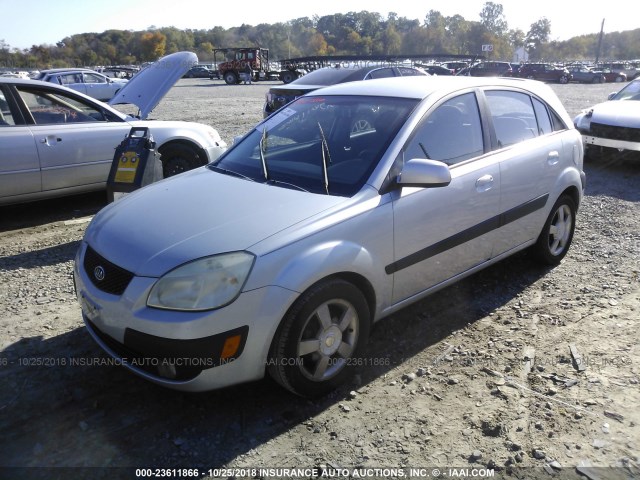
x,y
479,376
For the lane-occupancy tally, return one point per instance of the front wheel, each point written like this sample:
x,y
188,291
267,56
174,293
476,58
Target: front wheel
x,y
179,158
231,78
564,79
557,233
319,341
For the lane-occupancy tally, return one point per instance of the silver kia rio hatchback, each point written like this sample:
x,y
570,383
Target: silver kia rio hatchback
x,y
341,208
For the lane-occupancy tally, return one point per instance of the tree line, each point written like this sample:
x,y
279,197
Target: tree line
x,y
353,33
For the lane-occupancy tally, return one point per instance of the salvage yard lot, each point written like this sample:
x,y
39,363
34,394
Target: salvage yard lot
x,y
516,366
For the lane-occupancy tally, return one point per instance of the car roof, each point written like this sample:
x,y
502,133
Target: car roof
x,y
421,87
344,72
65,70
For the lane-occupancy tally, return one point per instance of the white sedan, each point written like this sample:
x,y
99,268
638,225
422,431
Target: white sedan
x,y
83,80
56,141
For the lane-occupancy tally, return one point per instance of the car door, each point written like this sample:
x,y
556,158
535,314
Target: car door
x,y
530,155
75,141
72,80
441,232
97,86
19,163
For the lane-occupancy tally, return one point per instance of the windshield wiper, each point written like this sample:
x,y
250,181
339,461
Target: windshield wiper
x,y
424,150
263,158
325,155
287,184
231,172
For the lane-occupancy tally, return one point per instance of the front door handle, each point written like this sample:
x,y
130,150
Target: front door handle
x,y
51,139
484,183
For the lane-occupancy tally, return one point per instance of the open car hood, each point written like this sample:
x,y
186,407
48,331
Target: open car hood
x,y
150,85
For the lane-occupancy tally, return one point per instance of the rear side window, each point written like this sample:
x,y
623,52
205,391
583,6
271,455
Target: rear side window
x,y
542,116
513,116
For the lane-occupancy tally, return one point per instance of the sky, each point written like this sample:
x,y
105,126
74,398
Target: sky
x,y
48,22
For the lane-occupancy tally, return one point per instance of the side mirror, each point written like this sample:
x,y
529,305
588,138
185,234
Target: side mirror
x,y
419,172
611,95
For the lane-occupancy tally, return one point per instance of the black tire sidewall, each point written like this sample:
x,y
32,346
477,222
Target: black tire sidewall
x,y
282,365
187,156
541,247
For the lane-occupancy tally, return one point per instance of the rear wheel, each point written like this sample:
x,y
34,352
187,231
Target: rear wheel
x,y
557,233
179,158
564,79
288,77
317,345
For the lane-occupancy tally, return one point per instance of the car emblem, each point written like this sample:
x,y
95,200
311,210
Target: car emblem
x,y
99,273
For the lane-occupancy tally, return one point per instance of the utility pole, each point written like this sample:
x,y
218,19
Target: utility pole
x,y
600,41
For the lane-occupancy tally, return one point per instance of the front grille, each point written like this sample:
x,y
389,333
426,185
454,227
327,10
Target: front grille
x,y
105,275
615,133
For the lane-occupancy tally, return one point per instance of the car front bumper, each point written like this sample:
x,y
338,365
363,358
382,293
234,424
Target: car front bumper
x,y
189,351
611,143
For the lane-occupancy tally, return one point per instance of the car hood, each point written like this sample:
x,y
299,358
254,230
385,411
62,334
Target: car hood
x,y
150,85
194,215
617,113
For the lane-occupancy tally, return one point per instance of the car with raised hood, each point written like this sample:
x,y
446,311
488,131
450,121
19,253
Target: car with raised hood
x,y
276,97
84,80
612,126
57,141
314,230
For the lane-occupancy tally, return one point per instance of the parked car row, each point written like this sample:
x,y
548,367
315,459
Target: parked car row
x,y
546,72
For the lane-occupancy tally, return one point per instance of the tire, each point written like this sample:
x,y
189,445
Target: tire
x,y
556,236
288,77
230,78
318,341
563,79
619,79
179,158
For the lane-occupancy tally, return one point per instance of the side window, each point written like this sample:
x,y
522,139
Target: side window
x,y
408,72
513,117
93,78
542,116
380,73
6,117
48,107
69,78
452,133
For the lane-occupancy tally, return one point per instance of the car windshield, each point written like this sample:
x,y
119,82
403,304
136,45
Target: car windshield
x,y
326,145
630,92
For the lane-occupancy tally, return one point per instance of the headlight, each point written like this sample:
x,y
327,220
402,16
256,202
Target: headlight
x,y
583,121
204,284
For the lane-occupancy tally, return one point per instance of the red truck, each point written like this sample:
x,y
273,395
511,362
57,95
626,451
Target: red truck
x,y
231,64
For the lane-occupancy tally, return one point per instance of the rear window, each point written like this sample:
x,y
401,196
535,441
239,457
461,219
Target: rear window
x,y
326,76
